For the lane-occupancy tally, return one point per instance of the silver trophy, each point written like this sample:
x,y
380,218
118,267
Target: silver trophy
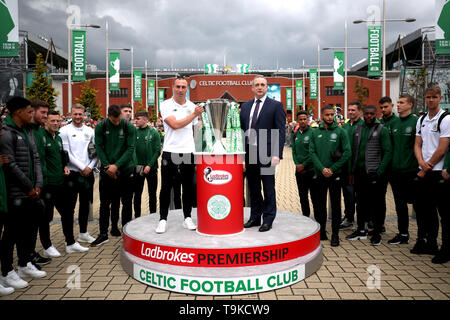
x,y
217,111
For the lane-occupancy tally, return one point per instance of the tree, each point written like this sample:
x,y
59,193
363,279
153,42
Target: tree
x,y
88,99
417,82
41,87
361,92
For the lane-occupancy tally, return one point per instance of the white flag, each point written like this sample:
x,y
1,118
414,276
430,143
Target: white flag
x,y
242,68
211,68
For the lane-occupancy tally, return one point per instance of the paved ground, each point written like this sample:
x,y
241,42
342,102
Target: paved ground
x,y
343,275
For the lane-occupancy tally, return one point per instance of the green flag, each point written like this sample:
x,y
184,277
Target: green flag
x,y
78,55
299,92
442,26
114,71
151,92
338,70
313,83
9,28
288,99
161,93
374,62
137,85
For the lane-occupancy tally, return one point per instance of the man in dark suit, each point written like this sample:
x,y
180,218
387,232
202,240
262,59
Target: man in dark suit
x,y
263,120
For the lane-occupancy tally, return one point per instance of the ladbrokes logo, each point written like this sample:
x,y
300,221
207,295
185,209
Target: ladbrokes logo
x,y
173,256
216,177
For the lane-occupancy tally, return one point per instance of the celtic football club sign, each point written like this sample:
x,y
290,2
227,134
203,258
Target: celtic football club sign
x,y
219,207
9,28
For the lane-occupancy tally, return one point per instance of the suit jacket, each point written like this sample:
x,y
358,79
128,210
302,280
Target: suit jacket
x,y
272,116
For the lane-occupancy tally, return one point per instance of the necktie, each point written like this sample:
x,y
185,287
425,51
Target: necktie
x,y
255,114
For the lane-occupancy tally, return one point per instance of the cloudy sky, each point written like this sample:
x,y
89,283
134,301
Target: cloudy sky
x,y
187,34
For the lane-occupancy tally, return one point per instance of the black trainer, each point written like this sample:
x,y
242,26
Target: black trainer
x,y
357,235
40,260
101,239
323,236
420,247
115,232
334,240
372,232
442,257
400,239
376,239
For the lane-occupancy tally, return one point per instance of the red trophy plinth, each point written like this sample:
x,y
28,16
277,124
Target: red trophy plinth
x,y
220,192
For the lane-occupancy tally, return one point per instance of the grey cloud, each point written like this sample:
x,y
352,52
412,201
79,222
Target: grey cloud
x,y
188,33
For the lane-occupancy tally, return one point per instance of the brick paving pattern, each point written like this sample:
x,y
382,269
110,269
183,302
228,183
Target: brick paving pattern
x,y
343,274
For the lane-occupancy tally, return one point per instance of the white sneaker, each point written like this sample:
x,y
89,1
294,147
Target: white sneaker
x,y
76,247
13,280
5,291
51,252
31,271
189,224
85,237
162,226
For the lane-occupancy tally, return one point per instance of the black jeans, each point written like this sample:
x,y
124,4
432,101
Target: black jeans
x,y
111,192
348,192
82,187
319,198
19,223
370,197
56,196
152,185
304,185
433,197
180,167
403,189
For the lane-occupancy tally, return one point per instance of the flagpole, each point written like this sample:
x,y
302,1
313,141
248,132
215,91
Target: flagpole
x,y
132,84
107,69
318,81
146,86
345,71
303,86
69,62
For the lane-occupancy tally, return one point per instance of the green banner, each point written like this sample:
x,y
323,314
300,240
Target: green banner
x,y
161,93
151,92
313,83
288,99
299,92
137,85
9,28
78,55
374,62
338,70
442,26
114,71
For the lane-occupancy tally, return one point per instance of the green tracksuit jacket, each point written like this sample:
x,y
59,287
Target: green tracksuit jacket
x,y
300,148
114,146
403,134
324,142
148,147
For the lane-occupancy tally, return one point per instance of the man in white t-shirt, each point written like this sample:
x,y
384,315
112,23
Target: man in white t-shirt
x,y
179,115
432,143
76,138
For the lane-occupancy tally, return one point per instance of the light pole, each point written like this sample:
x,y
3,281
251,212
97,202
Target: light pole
x,y
69,58
346,48
384,20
